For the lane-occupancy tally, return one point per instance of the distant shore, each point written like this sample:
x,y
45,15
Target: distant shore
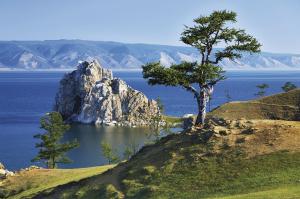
x,y
139,69
63,70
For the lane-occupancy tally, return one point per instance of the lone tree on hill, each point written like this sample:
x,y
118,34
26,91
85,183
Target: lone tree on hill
x,y
262,89
52,151
288,86
207,33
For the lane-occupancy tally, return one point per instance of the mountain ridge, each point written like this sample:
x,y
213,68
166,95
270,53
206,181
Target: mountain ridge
x,y
65,54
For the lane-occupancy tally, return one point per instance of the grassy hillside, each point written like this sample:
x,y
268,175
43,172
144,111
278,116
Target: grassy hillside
x,y
233,158
26,183
284,106
285,192
237,159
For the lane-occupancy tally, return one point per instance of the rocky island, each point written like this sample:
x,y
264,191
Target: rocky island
x,y
90,94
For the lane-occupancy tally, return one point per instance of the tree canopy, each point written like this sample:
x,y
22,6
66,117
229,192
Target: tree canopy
x,y
213,30
206,35
288,86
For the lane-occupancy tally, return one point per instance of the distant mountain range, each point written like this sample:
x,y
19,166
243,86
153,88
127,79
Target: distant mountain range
x,y
64,54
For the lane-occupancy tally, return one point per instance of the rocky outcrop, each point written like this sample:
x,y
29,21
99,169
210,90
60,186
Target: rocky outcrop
x,y
90,94
4,172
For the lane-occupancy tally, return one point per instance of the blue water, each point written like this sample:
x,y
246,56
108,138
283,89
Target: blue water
x,y
26,96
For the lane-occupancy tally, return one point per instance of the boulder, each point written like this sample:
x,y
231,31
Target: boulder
x,y
188,121
90,94
4,172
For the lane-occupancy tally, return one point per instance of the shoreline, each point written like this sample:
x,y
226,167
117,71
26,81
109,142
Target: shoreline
x,y
139,69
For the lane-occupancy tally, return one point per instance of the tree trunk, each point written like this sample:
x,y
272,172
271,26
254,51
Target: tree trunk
x,y
202,100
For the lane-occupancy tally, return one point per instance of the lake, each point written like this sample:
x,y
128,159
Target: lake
x,y
26,96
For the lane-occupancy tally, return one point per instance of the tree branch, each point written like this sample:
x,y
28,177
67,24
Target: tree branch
x,y
193,90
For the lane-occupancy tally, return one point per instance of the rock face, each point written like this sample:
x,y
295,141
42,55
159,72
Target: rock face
x,y
90,94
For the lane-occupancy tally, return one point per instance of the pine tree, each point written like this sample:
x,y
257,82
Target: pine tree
x,y
262,89
207,33
109,153
288,86
156,119
131,149
51,150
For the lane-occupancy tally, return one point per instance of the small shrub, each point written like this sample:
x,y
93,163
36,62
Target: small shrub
x,y
148,170
112,193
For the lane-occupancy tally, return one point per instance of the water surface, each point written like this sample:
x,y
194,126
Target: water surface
x,y
26,96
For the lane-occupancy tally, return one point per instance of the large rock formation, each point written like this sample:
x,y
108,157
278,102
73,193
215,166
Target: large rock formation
x,y
90,94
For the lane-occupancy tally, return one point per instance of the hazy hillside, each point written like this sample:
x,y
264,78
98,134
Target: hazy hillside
x,y
60,54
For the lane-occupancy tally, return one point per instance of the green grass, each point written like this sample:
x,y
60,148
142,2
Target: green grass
x,y
183,166
284,192
31,182
216,176
186,165
172,119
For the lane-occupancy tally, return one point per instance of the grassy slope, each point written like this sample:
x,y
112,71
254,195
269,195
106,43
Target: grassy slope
x,y
252,159
172,119
195,165
26,183
281,106
283,192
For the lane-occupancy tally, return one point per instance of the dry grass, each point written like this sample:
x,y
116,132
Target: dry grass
x,y
284,106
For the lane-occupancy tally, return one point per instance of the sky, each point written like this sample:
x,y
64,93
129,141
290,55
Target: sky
x,y
275,23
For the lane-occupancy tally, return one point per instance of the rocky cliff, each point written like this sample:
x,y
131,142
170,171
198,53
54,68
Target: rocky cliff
x,y
90,94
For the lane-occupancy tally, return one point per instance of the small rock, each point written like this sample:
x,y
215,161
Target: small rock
x,y
187,115
188,122
5,173
223,132
34,167
240,140
10,173
217,135
1,166
2,172
248,131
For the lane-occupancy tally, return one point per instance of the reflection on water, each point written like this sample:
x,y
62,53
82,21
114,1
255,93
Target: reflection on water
x,y
89,153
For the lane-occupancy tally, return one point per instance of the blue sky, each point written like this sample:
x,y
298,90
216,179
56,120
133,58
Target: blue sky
x,y
275,23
